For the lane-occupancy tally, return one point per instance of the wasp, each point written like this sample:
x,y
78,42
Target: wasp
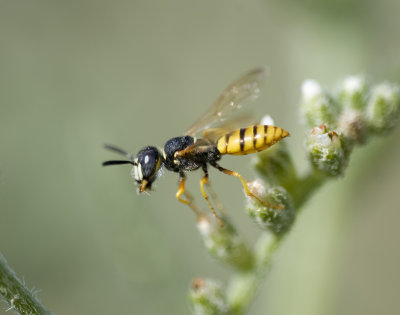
x,y
187,153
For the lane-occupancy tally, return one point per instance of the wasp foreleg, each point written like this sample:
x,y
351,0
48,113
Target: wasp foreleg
x,y
181,188
181,191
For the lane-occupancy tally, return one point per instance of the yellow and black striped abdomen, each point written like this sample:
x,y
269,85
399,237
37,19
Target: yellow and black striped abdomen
x,y
250,140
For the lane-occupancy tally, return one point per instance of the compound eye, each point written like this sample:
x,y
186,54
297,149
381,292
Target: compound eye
x,y
148,166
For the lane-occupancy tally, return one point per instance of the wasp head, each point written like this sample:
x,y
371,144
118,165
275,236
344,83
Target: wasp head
x,y
146,168
146,165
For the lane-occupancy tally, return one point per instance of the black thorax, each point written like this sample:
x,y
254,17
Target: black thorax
x,y
176,159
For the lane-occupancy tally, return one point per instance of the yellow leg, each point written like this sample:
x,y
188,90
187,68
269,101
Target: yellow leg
x,y
203,181
246,188
181,191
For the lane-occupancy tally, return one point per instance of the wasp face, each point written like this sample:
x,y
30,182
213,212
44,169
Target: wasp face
x,y
147,165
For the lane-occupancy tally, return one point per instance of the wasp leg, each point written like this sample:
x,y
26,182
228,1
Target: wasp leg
x,y
203,181
215,198
246,188
181,191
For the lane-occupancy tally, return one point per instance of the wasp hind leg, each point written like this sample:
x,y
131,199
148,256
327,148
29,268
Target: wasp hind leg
x,y
203,181
189,198
246,188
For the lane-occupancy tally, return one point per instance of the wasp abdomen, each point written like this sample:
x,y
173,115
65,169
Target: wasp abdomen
x,y
250,140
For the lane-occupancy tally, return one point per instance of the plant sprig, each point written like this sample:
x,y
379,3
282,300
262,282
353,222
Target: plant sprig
x,y
16,295
337,122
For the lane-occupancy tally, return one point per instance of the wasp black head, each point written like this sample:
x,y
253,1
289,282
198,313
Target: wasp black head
x,y
146,165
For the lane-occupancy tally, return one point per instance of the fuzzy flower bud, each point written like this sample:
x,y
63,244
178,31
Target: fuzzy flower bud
x,y
207,297
353,93
276,219
353,126
318,107
267,120
327,151
223,243
383,107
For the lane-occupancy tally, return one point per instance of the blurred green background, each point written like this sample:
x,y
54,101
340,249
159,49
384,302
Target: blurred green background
x,y
76,74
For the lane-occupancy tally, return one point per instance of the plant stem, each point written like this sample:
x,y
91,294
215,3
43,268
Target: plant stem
x,y
305,187
336,126
244,285
16,294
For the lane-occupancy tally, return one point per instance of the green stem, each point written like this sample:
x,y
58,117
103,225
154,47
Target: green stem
x,y
16,294
305,187
244,285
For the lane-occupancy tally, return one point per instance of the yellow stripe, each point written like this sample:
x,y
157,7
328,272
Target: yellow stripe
x,y
221,145
234,142
248,139
278,133
260,136
270,135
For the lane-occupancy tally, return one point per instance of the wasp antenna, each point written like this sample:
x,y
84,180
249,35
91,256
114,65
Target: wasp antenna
x,y
119,151
118,162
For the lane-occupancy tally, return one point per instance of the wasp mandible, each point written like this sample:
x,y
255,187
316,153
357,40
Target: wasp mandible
x,y
188,153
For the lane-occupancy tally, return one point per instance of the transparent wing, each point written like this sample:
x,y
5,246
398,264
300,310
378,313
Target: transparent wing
x,y
247,87
213,134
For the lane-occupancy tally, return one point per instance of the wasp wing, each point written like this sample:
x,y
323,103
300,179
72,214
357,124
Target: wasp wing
x,y
247,87
213,134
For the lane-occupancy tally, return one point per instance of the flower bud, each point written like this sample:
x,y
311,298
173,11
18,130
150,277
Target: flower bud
x,y
327,151
353,126
207,297
383,107
279,216
224,243
318,107
353,93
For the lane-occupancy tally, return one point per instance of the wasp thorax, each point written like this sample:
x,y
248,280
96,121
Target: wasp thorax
x,y
148,163
171,148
